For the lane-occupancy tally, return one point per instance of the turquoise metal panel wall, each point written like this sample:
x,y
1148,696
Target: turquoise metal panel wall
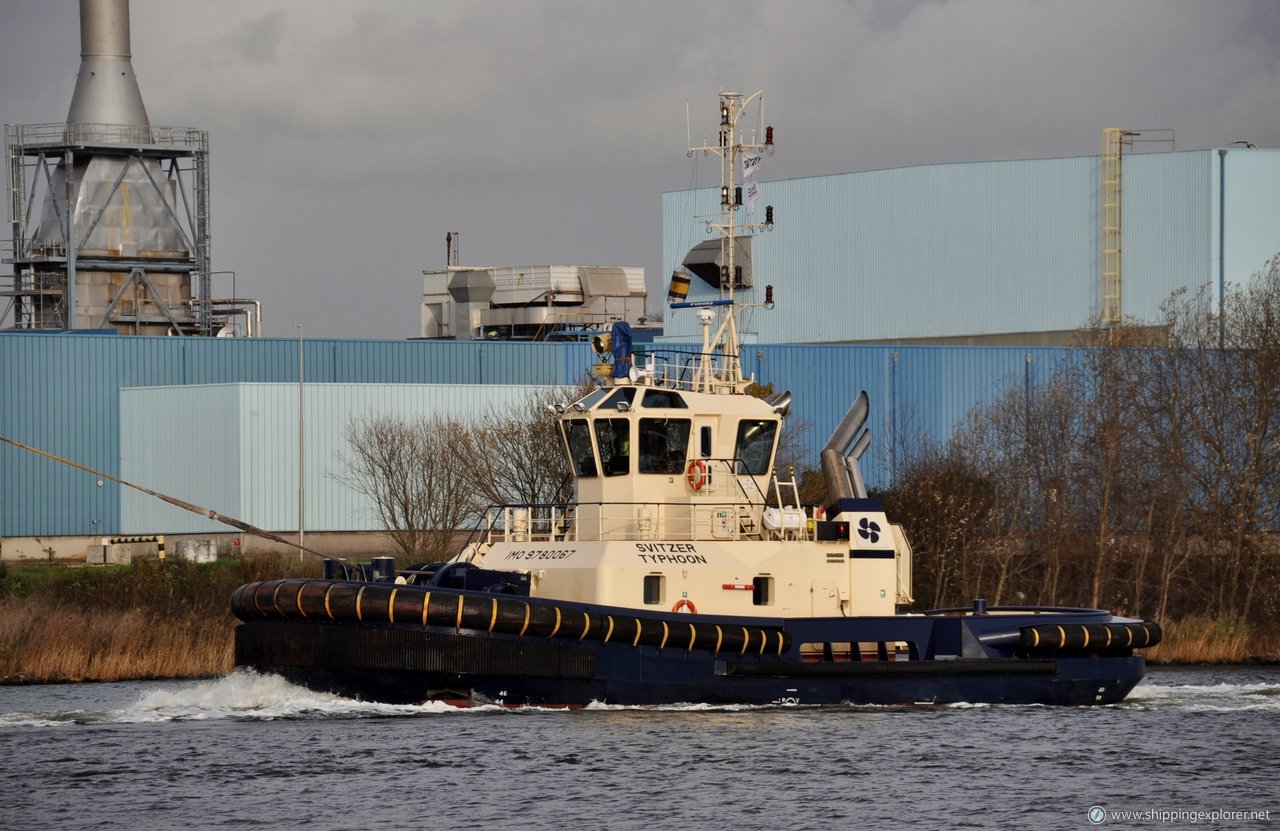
x,y
181,441
244,462
270,481
939,250
984,247
234,448
1250,222
1169,226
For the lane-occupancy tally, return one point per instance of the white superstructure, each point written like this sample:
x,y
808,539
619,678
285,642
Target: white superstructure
x,y
677,504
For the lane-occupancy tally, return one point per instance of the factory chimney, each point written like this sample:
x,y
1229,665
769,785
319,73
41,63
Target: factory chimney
x,y
106,89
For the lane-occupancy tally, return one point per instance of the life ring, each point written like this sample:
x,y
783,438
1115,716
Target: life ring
x,y
685,605
696,474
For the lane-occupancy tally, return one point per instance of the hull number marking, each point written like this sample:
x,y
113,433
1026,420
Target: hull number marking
x,y
536,554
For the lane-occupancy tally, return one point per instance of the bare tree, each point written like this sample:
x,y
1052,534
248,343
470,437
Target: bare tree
x,y
1229,358
516,451
945,504
1143,477
421,486
427,478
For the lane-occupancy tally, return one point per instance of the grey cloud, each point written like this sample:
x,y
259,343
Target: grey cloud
x,y
348,137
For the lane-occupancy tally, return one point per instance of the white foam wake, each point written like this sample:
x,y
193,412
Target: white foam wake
x,y
242,695
245,694
1221,696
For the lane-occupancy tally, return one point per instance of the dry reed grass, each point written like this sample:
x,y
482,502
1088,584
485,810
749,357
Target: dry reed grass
x,y
150,620
1202,640
62,644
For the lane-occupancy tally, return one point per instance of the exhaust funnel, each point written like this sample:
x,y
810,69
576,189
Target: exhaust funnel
x,y
106,88
840,470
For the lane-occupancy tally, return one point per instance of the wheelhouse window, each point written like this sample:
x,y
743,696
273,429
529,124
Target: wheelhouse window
x,y
613,437
664,444
590,401
663,399
754,448
577,440
622,395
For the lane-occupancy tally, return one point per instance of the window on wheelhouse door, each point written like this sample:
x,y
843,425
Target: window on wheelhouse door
x,y
754,448
664,444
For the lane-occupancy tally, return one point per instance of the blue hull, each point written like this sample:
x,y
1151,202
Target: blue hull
x,y
354,644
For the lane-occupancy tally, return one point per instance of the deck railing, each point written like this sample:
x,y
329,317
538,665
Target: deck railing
x,y
709,519
688,371
24,137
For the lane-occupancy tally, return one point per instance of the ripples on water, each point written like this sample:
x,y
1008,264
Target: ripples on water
x,y
249,751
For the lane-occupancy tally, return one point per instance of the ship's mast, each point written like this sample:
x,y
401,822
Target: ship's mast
x,y
725,374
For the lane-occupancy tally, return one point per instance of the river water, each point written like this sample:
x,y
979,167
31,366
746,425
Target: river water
x,y
251,751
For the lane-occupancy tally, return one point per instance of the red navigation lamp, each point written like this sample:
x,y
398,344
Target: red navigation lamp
x,y
768,136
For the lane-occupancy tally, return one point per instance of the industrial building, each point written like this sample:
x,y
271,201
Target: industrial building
x,y
214,421
879,277
933,287
549,302
1000,252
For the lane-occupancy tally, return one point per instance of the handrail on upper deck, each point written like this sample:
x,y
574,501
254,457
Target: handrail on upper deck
x,y
677,369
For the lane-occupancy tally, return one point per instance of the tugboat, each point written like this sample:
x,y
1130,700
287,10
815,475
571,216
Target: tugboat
x,y
683,569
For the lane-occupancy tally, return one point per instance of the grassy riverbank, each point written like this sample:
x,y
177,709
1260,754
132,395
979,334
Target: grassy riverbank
x,y
145,620
1201,640
170,620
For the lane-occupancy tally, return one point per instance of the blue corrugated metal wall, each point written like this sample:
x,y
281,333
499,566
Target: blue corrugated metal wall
x,y
1170,227
185,442
913,391
61,393
985,248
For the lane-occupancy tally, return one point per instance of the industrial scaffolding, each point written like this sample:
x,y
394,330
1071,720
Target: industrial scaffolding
x,y
170,165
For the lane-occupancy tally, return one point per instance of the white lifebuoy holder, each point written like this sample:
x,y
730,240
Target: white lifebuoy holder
x,y
696,474
685,605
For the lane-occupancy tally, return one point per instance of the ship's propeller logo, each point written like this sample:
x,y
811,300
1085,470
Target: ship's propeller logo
x,y
869,530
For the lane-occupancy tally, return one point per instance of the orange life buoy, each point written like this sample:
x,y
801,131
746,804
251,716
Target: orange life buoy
x,y
685,605
696,473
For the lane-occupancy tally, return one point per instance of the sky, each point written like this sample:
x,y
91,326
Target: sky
x,y
348,137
